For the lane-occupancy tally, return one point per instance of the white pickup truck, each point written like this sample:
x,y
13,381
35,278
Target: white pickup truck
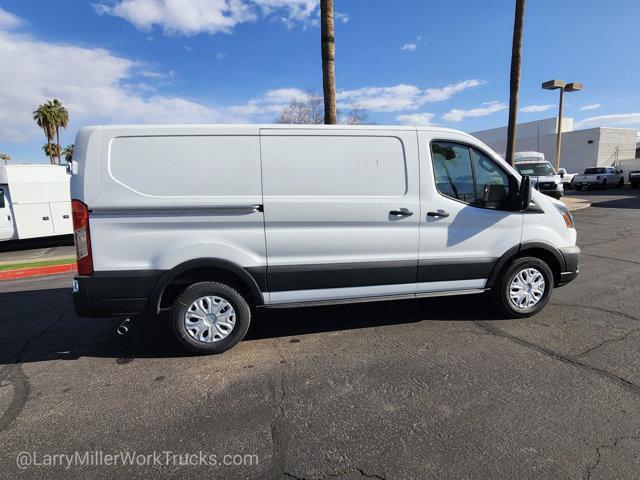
x,y
599,177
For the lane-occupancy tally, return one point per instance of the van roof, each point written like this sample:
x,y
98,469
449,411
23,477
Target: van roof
x,y
284,127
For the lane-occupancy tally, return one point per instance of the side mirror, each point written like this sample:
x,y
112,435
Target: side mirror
x,y
494,195
561,173
524,194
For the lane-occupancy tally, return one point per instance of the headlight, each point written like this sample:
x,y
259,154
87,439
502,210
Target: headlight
x,y
566,214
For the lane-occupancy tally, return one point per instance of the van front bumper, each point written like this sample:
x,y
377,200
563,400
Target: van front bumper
x,y
571,268
108,294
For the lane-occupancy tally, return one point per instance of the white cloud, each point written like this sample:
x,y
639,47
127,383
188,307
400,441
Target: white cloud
x,y
102,88
107,88
9,20
409,47
591,106
381,99
400,97
615,120
190,17
487,108
537,108
221,55
342,17
416,119
444,93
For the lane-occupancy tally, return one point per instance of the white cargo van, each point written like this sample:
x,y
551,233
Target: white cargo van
x,y
34,201
207,221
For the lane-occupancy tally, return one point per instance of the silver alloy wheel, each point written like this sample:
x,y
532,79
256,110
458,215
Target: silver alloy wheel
x,y
527,288
210,319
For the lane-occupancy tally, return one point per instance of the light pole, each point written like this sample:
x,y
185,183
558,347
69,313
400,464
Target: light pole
x,y
564,87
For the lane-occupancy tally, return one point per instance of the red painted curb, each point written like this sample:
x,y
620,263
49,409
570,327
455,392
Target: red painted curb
x,y
36,271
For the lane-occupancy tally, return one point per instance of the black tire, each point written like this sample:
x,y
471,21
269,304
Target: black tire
x,y
578,187
603,185
202,289
635,185
621,183
502,288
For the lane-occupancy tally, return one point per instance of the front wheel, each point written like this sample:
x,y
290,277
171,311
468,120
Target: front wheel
x,y
523,287
210,317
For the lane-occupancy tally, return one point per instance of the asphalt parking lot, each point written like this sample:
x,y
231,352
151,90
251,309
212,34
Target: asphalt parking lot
x,y
434,388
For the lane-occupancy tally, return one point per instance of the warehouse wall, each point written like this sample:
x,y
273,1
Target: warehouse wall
x,y
580,148
616,145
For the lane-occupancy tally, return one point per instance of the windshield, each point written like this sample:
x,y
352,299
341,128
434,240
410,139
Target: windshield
x,y
591,171
535,169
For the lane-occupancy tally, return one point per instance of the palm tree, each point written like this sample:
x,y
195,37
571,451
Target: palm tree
x,y
68,153
328,62
51,149
43,116
60,118
514,82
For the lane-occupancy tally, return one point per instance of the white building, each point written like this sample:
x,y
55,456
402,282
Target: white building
x,y
592,147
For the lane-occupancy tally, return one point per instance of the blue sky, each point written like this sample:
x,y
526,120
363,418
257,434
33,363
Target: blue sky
x,y
219,61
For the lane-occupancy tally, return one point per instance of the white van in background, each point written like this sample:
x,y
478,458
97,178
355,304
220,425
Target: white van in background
x,y
543,175
34,201
205,221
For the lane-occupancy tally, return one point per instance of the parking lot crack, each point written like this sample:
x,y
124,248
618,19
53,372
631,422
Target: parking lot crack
x,y
624,260
607,446
278,439
597,309
622,382
604,342
21,353
14,375
342,473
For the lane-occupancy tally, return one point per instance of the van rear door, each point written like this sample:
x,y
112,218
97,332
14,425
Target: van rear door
x,y
341,211
7,229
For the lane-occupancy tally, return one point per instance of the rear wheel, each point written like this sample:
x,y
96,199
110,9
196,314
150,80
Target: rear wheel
x,y
210,317
523,287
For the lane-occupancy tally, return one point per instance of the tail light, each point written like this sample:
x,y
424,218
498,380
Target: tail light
x,y
81,237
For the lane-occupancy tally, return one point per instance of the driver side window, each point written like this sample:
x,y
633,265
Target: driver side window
x,y
466,174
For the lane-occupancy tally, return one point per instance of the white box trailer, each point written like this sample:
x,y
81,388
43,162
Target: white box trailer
x,y
34,201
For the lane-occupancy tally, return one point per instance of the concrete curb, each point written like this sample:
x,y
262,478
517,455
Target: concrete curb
x,y
574,204
27,272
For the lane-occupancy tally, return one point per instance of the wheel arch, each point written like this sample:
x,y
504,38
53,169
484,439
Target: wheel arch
x,y
249,281
546,252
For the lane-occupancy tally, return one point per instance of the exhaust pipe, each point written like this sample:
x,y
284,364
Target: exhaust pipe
x,y
124,327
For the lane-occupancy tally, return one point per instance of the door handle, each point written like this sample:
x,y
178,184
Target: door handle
x,y
403,212
438,214
65,216
45,218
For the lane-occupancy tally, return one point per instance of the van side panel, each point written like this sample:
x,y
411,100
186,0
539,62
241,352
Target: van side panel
x,y
171,195
328,201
